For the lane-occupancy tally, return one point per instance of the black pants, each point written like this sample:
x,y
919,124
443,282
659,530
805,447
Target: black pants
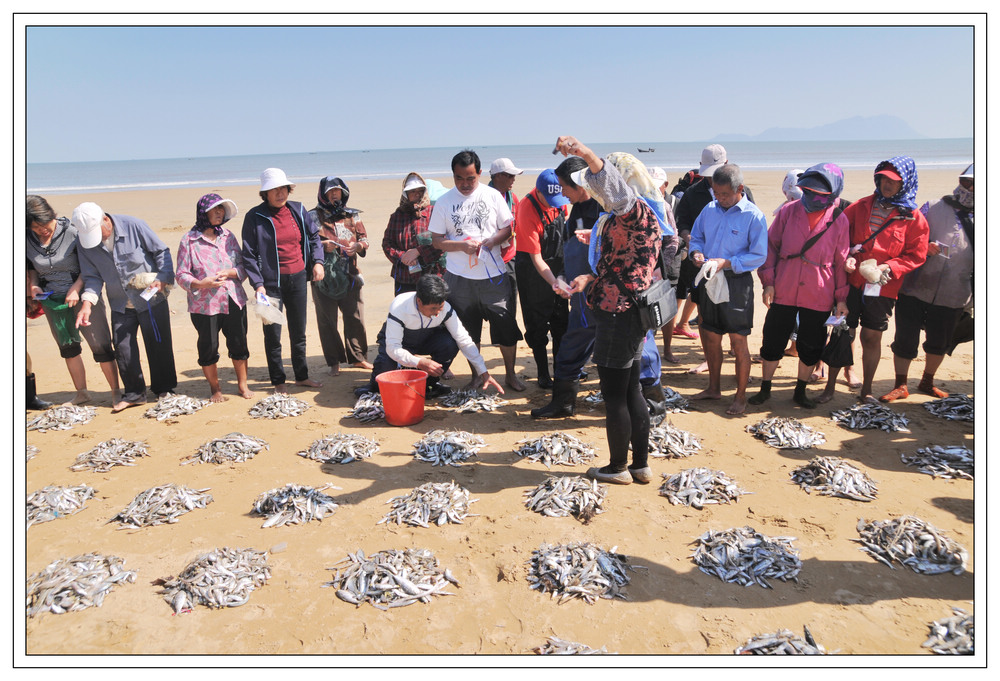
x,y
233,326
542,311
292,294
435,342
778,326
627,416
154,322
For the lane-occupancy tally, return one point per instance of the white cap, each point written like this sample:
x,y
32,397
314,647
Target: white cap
x,y
87,218
273,177
504,165
413,183
659,175
228,204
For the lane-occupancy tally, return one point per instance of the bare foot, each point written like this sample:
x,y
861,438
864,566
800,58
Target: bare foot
x,y
335,370
868,399
669,358
700,369
116,396
123,405
824,397
472,384
363,364
244,392
82,397
817,376
706,394
737,407
851,380
218,397
447,376
309,383
281,389
514,383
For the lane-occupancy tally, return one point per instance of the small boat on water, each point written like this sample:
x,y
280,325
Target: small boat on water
x,y
645,151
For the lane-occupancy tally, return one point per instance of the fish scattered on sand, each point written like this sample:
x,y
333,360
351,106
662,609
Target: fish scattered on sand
x,y
699,486
368,408
668,441
956,461
786,433
560,496
864,416
953,407
742,555
433,503
162,504
62,417
110,453
222,578
953,635
171,405
30,451
232,448
912,542
53,501
76,583
555,448
782,642
341,448
557,646
451,447
469,401
278,406
579,570
294,504
391,578
833,477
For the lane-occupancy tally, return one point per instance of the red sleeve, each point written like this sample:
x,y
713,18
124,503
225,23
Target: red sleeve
x,y
914,247
527,227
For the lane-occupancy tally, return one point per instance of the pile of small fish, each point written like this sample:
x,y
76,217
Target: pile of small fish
x,y
578,570
555,448
468,401
341,448
557,646
29,452
53,502
450,447
953,635
699,486
912,542
745,556
944,462
594,398
294,504
675,402
431,503
668,441
368,408
223,578
278,406
953,407
162,504
833,477
171,405
62,418
232,448
867,415
559,497
110,453
390,579
786,433
75,583
782,642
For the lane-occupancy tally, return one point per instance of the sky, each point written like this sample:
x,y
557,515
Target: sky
x,y
95,93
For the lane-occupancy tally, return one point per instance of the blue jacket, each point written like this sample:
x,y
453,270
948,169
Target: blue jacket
x,y
260,248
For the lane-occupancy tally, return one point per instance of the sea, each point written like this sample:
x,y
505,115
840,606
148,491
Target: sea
x,y
377,164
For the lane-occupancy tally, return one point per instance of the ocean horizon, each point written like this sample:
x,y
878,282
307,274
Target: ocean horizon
x,y
379,164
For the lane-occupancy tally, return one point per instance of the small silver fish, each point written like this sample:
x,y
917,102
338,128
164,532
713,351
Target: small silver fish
x,y
278,406
170,405
62,417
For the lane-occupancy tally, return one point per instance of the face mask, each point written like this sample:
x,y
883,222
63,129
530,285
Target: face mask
x,y
964,197
814,202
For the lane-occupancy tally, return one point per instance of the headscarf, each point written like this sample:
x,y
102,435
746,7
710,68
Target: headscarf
x,y
425,200
335,210
906,198
789,188
205,203
831,179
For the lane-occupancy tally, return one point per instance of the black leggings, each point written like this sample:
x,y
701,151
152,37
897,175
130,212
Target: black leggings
x,y
627,416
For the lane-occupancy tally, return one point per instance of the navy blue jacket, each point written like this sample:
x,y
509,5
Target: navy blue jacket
x,y
260,248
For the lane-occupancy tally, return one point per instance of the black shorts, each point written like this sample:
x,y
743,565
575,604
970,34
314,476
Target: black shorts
x,y
734,316
912,315
872,311
778,325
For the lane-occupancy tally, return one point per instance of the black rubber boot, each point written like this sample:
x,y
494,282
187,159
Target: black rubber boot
x,y
31,400
655,399
542,364
563,401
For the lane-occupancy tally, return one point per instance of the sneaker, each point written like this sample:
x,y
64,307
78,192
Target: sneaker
x,y
643,476
897,393
437,390
622,478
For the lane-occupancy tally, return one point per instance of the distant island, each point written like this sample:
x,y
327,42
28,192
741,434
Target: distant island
x,y
857,128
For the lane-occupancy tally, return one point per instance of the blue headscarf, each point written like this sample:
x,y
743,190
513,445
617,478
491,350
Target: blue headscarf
x,y
825,178
906,198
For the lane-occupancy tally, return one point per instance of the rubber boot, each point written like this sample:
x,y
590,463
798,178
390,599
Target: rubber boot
x,y
542,364
655,399
31,400
563,401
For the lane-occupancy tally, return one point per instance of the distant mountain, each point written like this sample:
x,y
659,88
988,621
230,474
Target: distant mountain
x,y
856,128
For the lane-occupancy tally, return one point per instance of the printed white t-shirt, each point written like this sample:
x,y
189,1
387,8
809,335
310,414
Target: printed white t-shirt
x,y
477,216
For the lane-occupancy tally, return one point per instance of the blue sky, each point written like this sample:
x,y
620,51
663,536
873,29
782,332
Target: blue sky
x,y
111,93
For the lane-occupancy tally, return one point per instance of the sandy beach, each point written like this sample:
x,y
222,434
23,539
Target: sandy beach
x,y
850,602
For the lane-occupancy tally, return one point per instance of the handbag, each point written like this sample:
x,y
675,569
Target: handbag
x,y
837,351
657,304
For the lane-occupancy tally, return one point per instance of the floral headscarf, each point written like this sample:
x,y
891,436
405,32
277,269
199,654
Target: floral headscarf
x,y
205,204
906,198
406,205
336,210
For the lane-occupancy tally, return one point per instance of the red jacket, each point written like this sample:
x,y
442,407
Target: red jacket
x,y
902,244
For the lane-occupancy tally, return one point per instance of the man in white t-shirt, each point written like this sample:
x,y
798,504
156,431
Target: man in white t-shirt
x,y
470,223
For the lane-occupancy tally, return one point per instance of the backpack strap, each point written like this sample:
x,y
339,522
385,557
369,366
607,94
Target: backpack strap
x,y
841,205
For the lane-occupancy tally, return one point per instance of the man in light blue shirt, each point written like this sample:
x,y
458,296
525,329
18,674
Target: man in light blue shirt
x,y
729,237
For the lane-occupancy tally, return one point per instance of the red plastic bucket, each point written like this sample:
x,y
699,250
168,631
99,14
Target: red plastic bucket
x,y
403,394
